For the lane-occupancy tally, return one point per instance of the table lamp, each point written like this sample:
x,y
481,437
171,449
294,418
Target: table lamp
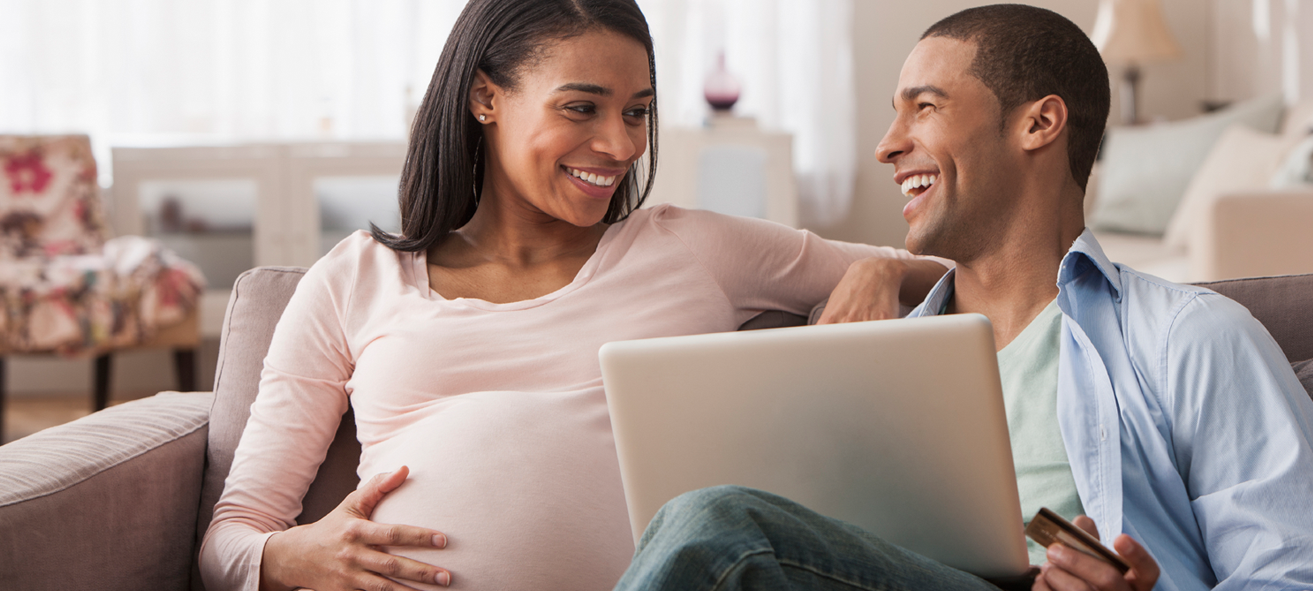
x,y
1129,33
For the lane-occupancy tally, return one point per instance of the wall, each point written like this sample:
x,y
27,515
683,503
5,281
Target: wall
x,y
1223,60
886,31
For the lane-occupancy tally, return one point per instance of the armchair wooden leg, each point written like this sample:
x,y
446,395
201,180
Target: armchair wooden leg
x,y
184,361
100,393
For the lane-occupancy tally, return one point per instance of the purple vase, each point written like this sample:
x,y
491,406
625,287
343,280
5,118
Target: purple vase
x,y
721,88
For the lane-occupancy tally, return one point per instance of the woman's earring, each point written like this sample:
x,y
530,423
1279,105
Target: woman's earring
x,y
483,117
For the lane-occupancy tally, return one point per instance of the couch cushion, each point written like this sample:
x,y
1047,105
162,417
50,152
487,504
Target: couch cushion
x,y
1144,170
1241,160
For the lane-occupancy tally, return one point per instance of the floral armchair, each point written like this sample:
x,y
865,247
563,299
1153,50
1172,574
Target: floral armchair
x,y
66,287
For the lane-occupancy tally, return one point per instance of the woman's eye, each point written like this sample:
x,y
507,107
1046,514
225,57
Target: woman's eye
x,y
582,109
636,113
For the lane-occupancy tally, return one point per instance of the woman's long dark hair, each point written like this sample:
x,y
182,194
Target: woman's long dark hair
x,y
500,37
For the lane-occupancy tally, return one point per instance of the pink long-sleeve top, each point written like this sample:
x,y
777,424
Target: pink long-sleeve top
x,y
498,409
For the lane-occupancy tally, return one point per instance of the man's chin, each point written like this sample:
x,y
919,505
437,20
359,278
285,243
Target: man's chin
x,y
916,243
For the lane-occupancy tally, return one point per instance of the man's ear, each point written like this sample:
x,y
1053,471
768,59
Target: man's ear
x,y
1041,122
482,99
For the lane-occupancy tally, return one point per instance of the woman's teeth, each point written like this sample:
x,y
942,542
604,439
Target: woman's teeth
x,y
590,178
918,181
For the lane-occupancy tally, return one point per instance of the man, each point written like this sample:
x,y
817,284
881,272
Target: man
x,y
1164,415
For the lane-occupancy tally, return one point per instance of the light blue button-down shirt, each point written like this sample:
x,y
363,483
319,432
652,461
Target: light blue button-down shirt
x,y
1185,426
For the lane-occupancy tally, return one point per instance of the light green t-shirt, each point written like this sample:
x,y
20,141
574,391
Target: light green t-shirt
x,y
1028,367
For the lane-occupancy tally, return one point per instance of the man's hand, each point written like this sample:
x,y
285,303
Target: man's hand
x,y
343,550
1068,569
872,289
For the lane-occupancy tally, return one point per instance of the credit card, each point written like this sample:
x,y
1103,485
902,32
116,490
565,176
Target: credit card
x,y
1048,528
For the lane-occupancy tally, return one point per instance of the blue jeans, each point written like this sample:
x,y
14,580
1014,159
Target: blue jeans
x,y
730,537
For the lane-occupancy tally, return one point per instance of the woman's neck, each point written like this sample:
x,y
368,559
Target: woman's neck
x,y
520,237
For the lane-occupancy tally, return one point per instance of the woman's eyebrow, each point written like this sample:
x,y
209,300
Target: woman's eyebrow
x,y
599,90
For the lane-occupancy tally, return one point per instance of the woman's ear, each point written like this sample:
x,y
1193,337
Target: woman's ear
x,y
482,94
1042,121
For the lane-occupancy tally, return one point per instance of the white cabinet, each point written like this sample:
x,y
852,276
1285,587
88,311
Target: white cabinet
x,y
231,207
730,166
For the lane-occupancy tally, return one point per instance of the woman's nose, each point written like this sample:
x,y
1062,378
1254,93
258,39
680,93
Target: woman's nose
x,y
613,139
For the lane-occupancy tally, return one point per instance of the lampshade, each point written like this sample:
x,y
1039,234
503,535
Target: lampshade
x,y
1133,31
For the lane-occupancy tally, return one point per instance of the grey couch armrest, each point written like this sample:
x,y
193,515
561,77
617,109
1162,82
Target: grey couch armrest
x,y
108,501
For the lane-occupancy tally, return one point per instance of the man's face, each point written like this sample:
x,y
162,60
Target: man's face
x,y
948,153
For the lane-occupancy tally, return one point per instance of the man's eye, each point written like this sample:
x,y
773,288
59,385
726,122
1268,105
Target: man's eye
x,y
924,106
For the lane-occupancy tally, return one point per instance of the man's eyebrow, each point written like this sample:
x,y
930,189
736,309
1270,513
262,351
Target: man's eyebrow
x,y
600,90
909,94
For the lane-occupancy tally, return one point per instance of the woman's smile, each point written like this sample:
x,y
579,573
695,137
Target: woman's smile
x,y
593,182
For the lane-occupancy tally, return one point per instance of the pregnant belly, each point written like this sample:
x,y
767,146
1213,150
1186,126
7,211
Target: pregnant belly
x,y
525,485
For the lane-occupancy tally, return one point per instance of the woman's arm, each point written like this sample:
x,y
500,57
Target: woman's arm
x,y
762,265
873,288
293,420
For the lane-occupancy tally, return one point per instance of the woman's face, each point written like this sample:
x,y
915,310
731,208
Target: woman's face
x,y
559,143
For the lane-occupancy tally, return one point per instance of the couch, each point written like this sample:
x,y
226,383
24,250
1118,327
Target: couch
x,y
1235,225
119,499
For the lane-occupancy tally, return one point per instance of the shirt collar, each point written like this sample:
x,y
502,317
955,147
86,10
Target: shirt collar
x,y
1085,254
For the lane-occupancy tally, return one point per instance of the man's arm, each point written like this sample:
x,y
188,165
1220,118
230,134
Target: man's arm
x,y
1242,434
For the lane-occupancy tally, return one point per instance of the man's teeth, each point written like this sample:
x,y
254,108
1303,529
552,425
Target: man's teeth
x,y
917,181
601,181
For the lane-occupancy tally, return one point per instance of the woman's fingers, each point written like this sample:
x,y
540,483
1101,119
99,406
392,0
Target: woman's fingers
x,y
400,567
362,502
378,534
868,291
348,537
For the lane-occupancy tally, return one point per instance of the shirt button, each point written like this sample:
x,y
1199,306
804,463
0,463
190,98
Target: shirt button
x,y
1103,433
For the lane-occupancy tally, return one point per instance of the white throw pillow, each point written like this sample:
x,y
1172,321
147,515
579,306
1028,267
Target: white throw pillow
x,y
1145,170
1296,169
1241,160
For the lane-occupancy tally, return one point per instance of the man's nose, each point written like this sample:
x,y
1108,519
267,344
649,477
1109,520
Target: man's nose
x,y
894,144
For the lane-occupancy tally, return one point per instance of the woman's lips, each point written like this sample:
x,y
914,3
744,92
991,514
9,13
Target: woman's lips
x,y
594,191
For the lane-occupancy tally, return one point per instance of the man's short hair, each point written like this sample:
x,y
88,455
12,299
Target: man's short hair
x,y
1024,53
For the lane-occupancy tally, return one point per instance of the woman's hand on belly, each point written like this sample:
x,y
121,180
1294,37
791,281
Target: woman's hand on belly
x,y
343,550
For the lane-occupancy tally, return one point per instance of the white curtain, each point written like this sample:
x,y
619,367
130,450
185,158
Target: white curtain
x,y
152,72
794,60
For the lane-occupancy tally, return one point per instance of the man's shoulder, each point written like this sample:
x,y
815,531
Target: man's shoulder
x,y
1169,313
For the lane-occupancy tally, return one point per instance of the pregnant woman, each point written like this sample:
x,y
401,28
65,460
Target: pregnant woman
x,y
467,344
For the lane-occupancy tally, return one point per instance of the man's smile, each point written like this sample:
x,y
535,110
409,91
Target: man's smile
x,y
918,183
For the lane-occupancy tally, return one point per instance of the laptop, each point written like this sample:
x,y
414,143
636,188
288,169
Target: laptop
x,y
895,426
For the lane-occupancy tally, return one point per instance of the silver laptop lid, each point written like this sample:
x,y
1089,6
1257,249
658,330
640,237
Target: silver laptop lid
x,y
895,426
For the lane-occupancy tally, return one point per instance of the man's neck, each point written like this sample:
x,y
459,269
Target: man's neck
x,y
1015,281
